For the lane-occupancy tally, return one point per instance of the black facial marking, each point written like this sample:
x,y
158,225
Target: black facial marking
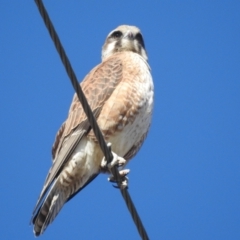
x,y
116,34
139,38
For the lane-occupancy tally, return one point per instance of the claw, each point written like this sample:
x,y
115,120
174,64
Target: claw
x,y
119,162
124,179
122,173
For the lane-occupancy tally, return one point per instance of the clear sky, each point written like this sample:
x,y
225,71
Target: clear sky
x,y
185,181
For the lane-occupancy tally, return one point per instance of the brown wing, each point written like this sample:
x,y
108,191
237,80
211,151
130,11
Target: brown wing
x,y
57,141
97,86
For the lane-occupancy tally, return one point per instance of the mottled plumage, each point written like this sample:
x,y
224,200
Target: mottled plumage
x,y
120,93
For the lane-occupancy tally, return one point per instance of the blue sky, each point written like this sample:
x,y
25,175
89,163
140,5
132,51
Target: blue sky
x,y
185,181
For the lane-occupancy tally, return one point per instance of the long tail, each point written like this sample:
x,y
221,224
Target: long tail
x,y
49,209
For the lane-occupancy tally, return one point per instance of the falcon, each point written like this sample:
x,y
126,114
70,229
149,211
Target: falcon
x,y
120,93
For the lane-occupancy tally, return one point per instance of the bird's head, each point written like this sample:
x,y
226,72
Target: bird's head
x,y
124,38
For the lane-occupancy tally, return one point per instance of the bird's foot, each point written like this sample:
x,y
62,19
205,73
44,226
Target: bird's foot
x,y
120,163
123,179
116,161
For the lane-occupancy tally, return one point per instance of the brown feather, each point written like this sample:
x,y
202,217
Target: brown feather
x,y
98,86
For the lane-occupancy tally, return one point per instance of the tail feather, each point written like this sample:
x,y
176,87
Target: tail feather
x,y
49,209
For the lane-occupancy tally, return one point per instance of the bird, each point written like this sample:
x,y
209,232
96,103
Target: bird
x,y
120,92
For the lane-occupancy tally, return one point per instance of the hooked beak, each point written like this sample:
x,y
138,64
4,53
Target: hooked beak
x,y
128,35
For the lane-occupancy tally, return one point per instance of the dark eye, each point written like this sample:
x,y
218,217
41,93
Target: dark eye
x,y
140,39
116,34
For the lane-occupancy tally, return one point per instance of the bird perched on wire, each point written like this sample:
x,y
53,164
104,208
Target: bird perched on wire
x,y
120,93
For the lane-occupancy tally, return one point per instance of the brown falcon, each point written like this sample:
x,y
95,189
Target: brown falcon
x,y
120,93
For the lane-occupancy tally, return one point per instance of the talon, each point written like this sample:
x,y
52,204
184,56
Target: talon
x,y
124,180
123,185
123,173
119,162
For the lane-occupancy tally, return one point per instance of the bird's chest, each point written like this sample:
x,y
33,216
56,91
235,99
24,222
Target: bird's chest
x,y
134,121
